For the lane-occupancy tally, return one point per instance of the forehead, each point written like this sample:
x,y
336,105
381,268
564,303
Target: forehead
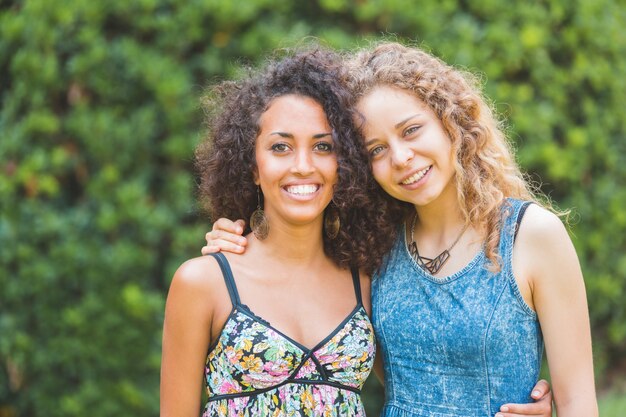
x,y
389,97
294,113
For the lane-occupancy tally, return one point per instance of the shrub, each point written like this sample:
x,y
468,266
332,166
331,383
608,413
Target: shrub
x,y
99,117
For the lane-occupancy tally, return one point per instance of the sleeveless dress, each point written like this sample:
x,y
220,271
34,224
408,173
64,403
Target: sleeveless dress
x,y
458,346
253,369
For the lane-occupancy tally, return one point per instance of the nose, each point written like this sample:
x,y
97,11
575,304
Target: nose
x,y
401,154
303,164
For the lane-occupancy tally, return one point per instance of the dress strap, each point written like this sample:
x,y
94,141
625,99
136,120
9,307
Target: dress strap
x,y
357,285
228,277
520,215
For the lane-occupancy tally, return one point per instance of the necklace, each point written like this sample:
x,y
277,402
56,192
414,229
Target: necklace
x,y
432,265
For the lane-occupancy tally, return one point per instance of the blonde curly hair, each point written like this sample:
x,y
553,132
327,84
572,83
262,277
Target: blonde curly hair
x,y
486,171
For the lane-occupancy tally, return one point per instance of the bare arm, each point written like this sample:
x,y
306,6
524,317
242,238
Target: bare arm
x,y
226,236
186,336
559,297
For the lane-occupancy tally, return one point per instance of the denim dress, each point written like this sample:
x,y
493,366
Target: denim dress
x,y
455,346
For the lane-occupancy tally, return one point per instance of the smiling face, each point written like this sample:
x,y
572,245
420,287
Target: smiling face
x,y
296,164
411,154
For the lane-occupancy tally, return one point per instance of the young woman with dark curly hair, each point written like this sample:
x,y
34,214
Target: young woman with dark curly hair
x,y
481,272
285,324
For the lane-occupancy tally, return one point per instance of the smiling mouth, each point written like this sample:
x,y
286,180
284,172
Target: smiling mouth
x,y
304,189
417,176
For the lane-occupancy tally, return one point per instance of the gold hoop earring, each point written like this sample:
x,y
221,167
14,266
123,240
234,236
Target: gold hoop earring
x,y
258,220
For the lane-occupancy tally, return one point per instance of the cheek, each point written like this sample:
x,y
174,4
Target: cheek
x,y
381,174
266,171
333,172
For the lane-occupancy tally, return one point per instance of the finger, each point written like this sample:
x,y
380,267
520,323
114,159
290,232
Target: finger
x,y
242,224
501,414
223,246
217,237
531,409
228,226
542,387
210,249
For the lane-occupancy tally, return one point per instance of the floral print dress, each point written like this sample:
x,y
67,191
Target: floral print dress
x,y
253,369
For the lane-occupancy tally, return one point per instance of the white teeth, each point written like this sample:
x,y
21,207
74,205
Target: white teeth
x,y
302,189
416,177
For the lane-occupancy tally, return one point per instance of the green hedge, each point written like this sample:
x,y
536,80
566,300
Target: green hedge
x,y
99,117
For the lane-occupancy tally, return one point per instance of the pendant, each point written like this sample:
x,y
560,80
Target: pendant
x,y
432,265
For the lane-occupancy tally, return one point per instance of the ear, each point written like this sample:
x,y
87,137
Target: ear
x,y
255,176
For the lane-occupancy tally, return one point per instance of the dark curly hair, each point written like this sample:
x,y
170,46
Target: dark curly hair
x,y
226,158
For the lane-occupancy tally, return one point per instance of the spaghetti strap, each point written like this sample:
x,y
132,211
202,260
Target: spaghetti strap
x,y
520,215
357,285
228,277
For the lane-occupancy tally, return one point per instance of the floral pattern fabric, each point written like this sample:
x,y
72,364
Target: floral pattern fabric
x,y
254,370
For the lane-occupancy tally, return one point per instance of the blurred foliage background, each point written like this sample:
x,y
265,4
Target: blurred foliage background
x,y
100,115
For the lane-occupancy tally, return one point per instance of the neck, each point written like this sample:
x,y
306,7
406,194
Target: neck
x,y
297,247
441,217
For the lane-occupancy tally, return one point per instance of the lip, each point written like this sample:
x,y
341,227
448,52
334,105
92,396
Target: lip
x,y
419,181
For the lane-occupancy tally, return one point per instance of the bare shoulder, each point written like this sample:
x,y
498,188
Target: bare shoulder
x,y
197,291
541,229
197,277
547,248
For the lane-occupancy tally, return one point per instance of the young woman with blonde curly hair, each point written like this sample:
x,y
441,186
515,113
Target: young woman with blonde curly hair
x,y
482,269
481,274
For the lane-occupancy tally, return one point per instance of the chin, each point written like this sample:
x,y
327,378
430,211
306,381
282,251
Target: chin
x,y
420,200
302,219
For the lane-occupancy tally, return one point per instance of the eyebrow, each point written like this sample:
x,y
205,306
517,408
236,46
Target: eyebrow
x,y
290,136
369,142
396,126
405,120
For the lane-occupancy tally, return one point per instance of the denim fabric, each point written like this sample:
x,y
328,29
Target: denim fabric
x,y
457,346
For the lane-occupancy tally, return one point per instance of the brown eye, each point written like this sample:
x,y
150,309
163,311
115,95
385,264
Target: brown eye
x,y
376,150
323,147
280,147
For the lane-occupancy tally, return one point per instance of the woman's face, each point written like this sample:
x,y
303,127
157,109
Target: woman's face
x,y
296,163
410,152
